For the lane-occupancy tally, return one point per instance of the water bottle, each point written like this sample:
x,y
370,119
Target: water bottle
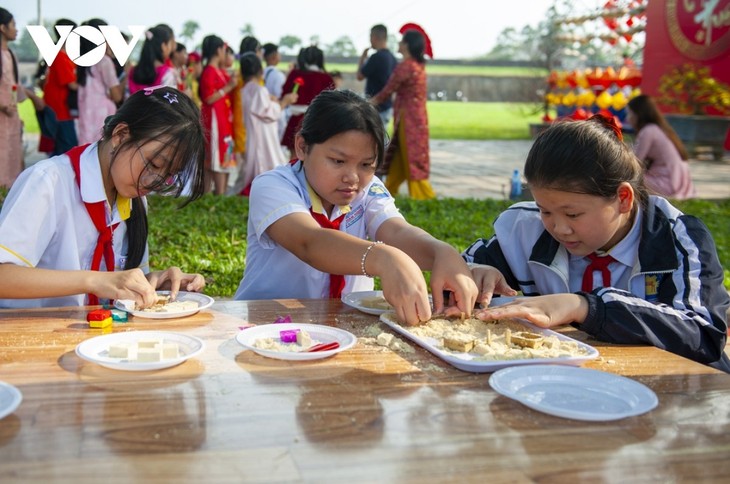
x,y
516,186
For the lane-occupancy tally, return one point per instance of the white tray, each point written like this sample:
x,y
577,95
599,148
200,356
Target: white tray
x,y
204,302
470,362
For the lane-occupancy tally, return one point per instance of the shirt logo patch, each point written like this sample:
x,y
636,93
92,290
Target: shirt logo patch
x,y
354,216
651,287
378,191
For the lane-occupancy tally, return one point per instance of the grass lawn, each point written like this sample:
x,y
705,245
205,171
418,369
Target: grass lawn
x,y
459,70
447,120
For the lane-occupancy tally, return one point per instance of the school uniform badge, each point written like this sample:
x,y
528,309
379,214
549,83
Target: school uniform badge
x,y
378,191
651,287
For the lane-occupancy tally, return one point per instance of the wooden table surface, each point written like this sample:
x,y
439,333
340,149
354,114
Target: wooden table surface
x,y
368,414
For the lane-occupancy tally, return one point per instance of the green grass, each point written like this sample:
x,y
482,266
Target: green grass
x,y
480,121
459,70
209,235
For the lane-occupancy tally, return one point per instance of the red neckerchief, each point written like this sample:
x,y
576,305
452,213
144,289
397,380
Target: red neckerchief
x,y
337,281
598,263
97,212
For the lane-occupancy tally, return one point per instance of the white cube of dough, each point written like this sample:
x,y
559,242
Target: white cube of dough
x,y
149,342
123,350
304,339
169,350
384,339
148,354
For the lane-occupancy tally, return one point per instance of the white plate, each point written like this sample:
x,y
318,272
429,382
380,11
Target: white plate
x,y
323,334
10,398
355,300
470,362
204,302
575,393
96,350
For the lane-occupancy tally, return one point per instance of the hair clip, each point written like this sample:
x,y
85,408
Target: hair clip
x,y
608,122
149,90
171,97
148,35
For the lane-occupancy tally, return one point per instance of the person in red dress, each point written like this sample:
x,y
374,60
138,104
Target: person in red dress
x,y
311,79
215,86
408,158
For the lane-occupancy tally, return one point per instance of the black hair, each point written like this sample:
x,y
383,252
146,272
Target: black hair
x,y
170,117
310,56
647,112
145,72
5,19
584,157
250,65
269,49
334,112
380,31
85,47
249,44
416,45
180,47
62,21
211,44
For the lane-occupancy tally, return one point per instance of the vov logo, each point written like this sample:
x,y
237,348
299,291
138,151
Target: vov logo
x,y
105,34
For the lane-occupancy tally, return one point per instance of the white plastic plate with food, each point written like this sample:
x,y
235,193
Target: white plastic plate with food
x,y
97,349
469,361
249,337
10,398
370,302
574,393
173,309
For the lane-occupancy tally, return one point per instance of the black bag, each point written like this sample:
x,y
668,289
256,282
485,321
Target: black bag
x,y
73,103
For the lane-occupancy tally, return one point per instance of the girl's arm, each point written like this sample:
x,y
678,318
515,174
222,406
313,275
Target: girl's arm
x,y
449,272
336,252
18,282
173,279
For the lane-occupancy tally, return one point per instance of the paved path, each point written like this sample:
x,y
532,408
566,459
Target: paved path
x,y
482,169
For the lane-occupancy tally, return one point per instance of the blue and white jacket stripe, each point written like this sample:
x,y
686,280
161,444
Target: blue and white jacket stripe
x,y
685,313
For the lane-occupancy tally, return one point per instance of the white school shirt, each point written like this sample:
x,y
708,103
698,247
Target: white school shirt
x,y
626,253
272,272
44,223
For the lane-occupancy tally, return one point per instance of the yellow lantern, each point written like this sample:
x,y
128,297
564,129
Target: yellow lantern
x,y
619,101
604,100
569,99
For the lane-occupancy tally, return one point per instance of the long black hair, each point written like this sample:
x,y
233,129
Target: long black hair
x,y
170,117
5,19
145,72
416,45
336,111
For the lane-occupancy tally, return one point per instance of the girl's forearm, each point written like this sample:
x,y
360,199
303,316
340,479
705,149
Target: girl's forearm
x,y
18,282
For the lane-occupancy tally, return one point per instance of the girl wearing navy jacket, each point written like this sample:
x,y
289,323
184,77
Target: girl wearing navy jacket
x,y
596,250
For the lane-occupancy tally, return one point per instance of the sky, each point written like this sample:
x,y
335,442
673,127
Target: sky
x,y
458,29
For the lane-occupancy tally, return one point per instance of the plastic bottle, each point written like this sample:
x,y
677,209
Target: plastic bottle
x,y
516,186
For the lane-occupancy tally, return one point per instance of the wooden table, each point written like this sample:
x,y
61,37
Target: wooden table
x,y
367,414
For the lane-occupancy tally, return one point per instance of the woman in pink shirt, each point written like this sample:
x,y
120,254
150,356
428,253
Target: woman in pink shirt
x,y
660,150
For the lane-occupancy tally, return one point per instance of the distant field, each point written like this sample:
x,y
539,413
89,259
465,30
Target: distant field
x,y
458,70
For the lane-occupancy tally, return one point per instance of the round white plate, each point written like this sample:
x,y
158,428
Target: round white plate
x,y
96,350
575,393
323,334
204,302
358,300
10,398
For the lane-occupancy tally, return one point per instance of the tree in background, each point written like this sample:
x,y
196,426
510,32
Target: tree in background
x,y
247,30
342,47
188,31
290,43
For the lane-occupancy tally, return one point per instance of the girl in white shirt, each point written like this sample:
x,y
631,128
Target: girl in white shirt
x,y
76,224
322,226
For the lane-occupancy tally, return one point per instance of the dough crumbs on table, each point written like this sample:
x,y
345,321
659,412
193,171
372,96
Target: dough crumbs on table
x,y
510,340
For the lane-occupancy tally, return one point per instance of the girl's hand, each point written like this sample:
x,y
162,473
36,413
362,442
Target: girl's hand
x,y
404,286
131,284
544,311
289,98
450,273
173,279
489,281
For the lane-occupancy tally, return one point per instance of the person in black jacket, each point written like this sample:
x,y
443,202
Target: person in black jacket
x,y
596,250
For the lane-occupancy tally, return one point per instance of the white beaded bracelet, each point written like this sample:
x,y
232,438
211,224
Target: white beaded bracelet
x,y
365,256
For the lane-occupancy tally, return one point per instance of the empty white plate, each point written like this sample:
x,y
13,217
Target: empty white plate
x,y
575,393
10,398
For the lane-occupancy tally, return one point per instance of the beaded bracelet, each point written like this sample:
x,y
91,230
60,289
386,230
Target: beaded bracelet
x,y
365,256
